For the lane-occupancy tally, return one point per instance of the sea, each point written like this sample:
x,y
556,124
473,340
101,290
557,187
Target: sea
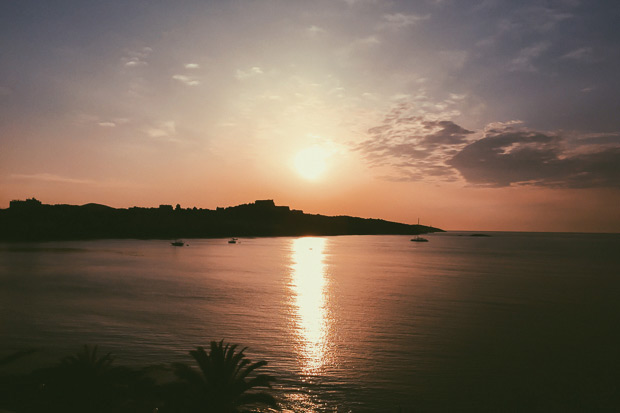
x,y
503,322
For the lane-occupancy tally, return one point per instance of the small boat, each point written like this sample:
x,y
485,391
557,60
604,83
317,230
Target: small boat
x,y
177,243
419,239
232,241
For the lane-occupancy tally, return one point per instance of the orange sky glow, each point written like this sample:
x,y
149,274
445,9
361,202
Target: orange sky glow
x,y
362,108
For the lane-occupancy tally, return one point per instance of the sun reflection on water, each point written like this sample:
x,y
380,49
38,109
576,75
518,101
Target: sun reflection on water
x,y
308,285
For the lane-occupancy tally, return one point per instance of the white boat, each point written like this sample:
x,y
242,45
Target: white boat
x,y
419,239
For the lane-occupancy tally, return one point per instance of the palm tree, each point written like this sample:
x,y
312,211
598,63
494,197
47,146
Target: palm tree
x,y
87,363
223,382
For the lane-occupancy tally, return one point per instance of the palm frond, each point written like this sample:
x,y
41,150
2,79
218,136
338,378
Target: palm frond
x,y
251,368
240,366
256,398
261,380
87,360
223,377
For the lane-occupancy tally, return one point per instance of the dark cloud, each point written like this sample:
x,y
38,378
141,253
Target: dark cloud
x,y
415,148
522,157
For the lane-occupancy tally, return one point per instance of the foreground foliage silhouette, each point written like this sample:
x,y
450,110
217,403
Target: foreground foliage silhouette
x,y
223,381
86,382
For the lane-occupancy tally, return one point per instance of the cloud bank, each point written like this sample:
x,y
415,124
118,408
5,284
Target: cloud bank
x,y
416,148
508,156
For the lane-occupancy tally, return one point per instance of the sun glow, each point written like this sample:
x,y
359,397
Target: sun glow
x,y
311,163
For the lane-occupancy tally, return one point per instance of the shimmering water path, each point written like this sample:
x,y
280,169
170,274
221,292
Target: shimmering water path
x,y
356,323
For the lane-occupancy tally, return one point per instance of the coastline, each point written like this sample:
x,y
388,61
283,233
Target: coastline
x,y
31,221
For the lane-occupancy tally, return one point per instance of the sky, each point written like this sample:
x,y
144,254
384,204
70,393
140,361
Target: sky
x,y
469,115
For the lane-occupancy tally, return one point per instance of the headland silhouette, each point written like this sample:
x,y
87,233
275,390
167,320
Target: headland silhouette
x,y
31,220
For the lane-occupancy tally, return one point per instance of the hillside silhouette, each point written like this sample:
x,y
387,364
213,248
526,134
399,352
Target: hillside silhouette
x,y
30,220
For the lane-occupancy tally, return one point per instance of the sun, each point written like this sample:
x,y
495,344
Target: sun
x,y
311,163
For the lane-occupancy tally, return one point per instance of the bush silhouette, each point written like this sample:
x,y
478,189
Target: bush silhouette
x,y
86,382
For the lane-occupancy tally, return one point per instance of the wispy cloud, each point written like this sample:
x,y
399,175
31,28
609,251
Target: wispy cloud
x,y
359,2
524,62
187,80
315,30
413,147
361,44
244,74
162,130
546,19
46,177
535,19
135,58
367,41
455,58
523,21
101,121
399,20
584,53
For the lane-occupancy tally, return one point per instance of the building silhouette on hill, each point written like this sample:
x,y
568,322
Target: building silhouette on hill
x,y
30,220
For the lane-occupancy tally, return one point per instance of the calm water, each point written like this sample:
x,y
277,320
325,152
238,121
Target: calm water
x,y
356,323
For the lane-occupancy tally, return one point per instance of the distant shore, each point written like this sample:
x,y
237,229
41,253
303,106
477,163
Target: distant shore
x,y
30,220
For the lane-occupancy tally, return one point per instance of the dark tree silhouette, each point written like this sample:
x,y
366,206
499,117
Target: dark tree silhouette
x,y
15,356
87,382
224,381
86,362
